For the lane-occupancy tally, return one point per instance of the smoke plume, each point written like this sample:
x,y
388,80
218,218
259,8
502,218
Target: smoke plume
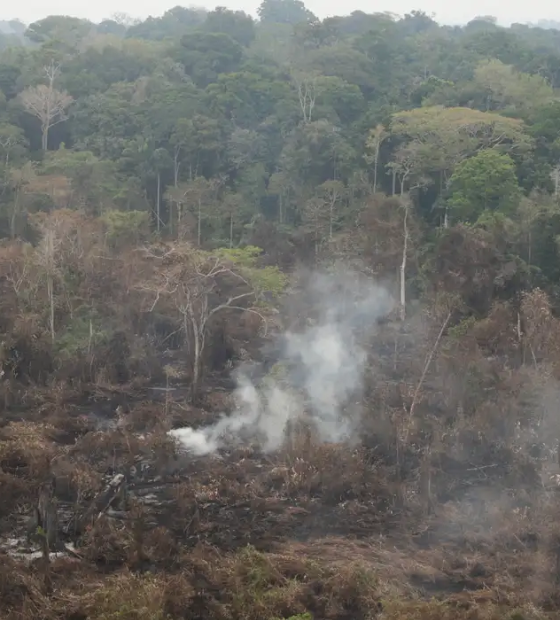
x,y
319,375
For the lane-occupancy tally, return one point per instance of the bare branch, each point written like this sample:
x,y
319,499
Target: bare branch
x,y
228,303
47,104
253,311
425,371
155,302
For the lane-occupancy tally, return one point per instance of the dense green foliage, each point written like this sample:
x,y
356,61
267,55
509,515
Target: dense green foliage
x,y
485,182
277,132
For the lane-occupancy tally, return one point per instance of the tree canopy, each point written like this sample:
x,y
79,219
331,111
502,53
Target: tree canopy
x,y
359,213
287,132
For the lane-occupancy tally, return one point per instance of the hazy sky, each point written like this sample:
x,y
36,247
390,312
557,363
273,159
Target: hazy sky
x,y
445,10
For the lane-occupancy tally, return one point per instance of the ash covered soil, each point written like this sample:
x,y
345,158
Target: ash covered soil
x,y
138,528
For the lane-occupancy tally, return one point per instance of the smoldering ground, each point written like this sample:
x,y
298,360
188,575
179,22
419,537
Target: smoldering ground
x,y
323,357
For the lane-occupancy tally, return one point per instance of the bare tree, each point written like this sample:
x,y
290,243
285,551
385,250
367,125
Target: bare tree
x,y
319,212
231,205
313,216
282,185
332,193
47,103
177,196
306,85
407,166
47,252
193,281
66,240
200,195
376,138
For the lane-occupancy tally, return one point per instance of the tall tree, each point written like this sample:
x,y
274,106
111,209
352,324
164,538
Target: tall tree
x,y
193,282
373,144
207,54
46,103
284,12
237,24
502,87
407,166
447,136
485,182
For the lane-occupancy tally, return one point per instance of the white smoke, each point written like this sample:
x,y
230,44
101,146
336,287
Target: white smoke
x,y
325,363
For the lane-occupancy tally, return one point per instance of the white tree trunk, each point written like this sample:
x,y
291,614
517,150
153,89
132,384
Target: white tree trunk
x,y
403,266
176,166
50,291
198,341
13,217
199,226
375,165
45,135
158,200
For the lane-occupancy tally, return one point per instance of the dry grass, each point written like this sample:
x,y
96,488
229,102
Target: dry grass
x,y
128,597
327,535
26,449
248,585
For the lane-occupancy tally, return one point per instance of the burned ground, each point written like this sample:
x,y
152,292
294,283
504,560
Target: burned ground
x,y
442,504
333,530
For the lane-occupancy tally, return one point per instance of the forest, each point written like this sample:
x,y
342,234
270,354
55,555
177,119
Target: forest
x,y
279,317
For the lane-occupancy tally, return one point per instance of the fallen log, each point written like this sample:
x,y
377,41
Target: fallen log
x,y
113,495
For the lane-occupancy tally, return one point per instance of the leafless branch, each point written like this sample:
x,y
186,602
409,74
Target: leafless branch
x,y
253,311
425,371
155,302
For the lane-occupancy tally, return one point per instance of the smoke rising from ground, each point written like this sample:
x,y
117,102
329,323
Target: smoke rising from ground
x,y
321,370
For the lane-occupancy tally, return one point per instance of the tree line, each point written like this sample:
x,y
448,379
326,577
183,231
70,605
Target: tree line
x,y
427,153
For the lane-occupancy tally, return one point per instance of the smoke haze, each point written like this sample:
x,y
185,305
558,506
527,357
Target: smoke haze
x,y
321,370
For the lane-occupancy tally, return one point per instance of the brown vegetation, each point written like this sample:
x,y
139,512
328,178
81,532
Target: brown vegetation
x,y
173,194
444,507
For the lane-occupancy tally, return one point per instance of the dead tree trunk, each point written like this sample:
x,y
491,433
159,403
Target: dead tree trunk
x,y
426,483
45,521
113,494
44,530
